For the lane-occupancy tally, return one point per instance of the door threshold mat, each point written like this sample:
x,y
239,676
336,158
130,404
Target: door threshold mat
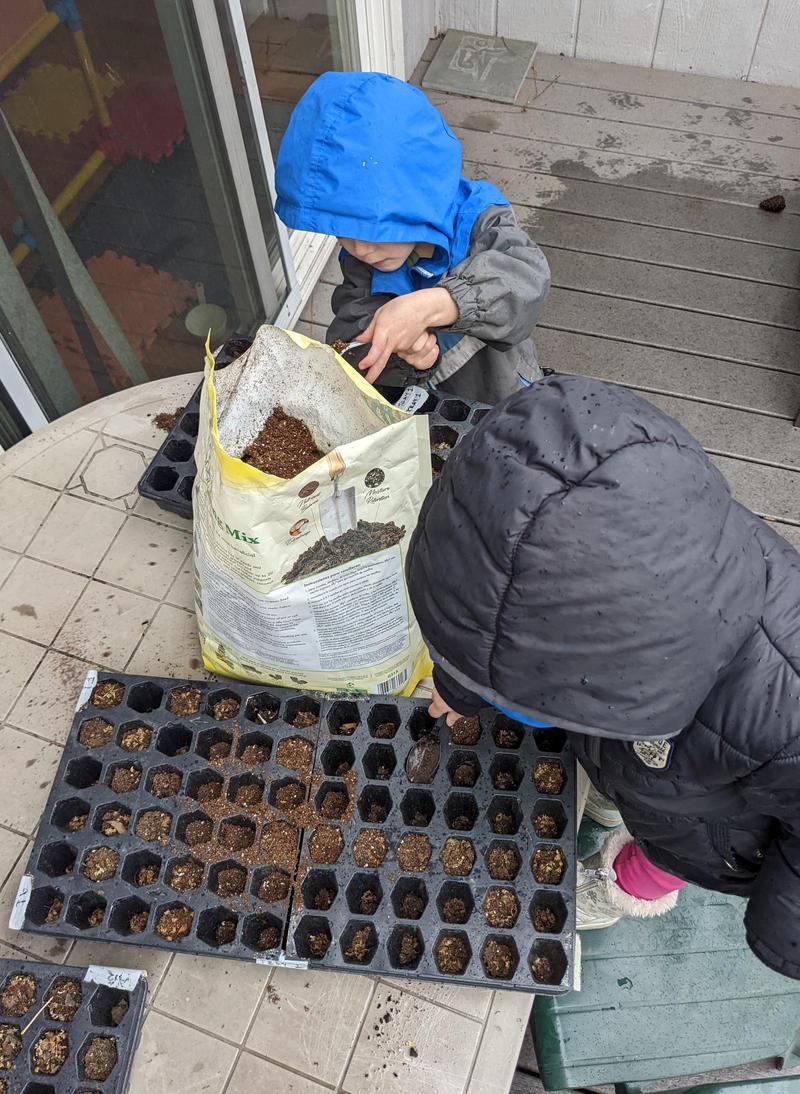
x,y
63,1027
480,66
290,828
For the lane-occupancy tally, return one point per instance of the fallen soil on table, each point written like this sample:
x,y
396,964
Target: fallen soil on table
x,y
365,539
283,446
168,419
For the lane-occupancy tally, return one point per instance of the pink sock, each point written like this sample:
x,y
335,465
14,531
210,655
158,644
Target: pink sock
x,y
638,877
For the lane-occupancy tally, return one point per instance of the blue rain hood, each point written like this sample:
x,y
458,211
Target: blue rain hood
x,y
367,157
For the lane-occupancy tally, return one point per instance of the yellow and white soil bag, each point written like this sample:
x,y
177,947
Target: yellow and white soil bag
x,y
278,600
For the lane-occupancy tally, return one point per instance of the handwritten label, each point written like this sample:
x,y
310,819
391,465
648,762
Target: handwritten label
x,y
122,979
87,689
282,961
17,917
412,399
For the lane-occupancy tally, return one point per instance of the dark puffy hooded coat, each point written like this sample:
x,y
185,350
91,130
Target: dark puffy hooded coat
x,y
582,562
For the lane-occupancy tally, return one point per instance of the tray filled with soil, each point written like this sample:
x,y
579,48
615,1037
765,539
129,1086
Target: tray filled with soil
x,y
68,1029
304,830
283,446
169,477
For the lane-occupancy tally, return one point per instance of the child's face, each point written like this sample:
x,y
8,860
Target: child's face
x,y
382,256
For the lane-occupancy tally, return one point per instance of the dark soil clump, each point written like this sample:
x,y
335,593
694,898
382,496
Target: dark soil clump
x,y
64,998
115,822
18,996
465,774
377,813
168,419
412,906
361,945
385,731
452,955
466,731
124,780
50,1051
269,938
283,447
225,932
458,857
366,538
248,795
100,1058
165,784
291,795
252,754
184,701
508,737
461,823
548,777
369,848
503,863
498,960
409,949
548,865
95,733
545,826
503,780
100,864
279,844
503,823
221,750
10,1046
318,944
368,902
413,852
501,908
343,768
174,923
323,898
422,761
774,204
236,836
185,876
209,792
231,881
275,887
333,805
198,831
136,739
153,826
542,969
325,845
106,694
544,920
294,753
146,875
225,708
455,910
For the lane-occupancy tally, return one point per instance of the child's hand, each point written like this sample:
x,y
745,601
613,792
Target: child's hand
x,y
423,354
439,707
398,325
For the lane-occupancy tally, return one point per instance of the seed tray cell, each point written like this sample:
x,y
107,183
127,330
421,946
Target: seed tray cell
x,y
107,1004
124,838
169,478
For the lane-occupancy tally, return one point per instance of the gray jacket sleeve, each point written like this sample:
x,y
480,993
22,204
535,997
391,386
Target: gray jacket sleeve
x,y
353,302
501,285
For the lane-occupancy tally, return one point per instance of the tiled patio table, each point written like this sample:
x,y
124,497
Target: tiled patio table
x,y
93,575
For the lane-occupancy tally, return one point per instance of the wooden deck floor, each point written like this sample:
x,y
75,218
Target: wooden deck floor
x,y
642,188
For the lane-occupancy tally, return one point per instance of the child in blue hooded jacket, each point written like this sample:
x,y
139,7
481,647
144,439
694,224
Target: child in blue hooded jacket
x,y
437,275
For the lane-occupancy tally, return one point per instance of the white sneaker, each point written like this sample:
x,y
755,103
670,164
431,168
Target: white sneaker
x,y
601,809
600,901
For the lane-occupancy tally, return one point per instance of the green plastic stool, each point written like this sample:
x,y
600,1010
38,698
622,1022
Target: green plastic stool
x,y
668,997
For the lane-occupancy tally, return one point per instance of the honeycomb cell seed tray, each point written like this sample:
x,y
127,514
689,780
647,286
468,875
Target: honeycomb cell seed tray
x,y
205,830
169,478
82,1041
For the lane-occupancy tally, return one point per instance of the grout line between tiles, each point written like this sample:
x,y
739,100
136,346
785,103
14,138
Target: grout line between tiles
x,y
354,1043
484,1024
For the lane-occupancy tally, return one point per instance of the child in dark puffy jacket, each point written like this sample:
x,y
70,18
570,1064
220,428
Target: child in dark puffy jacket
x,y
437,275
580,563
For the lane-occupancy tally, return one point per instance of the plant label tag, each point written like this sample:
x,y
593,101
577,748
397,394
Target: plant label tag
x,y
283,962
123,979
656,754
17,917
412,399
87,689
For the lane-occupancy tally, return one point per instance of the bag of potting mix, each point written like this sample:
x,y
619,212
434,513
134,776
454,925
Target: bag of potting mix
x,y
308,488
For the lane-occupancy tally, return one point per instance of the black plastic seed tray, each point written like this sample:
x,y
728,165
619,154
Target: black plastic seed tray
x,y
438,811
348,753
169,478
94,1023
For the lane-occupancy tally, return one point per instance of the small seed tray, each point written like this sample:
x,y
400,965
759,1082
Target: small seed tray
x,y
201,826
67,1030
169,478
